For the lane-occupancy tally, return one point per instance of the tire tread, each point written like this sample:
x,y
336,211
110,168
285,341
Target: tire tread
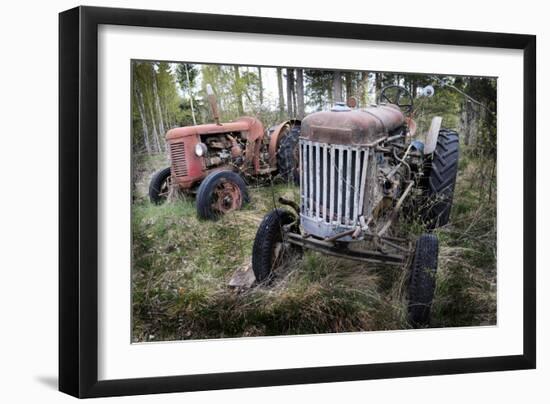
x,y
442,178
422,279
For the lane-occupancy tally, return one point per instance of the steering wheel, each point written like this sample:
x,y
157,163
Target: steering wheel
x,y
397,95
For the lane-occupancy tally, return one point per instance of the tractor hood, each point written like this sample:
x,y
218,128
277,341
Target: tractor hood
x,y
342,125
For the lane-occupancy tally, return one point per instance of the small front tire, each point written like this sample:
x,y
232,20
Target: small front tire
x,y
221,192
268,251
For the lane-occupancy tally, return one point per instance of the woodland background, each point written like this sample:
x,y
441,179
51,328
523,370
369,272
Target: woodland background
x,y
167,95
181,266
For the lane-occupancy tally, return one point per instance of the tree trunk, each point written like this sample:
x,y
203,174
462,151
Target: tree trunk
x,y
363,92
414,90
157,106
238,90
293,90
300,93
141,109
155,133
378,79
261,86
337,87
468,123
349,85
289,92
190,94
166,116
280,88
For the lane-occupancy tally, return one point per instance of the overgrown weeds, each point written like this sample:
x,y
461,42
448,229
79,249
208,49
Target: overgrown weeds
x,y
182,265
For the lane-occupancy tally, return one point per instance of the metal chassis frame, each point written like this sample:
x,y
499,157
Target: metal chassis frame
x,y
341,250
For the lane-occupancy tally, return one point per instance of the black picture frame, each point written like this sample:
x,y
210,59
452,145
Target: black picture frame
x,y
78,201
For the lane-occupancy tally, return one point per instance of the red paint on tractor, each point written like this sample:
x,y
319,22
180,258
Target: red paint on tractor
x,y
188,168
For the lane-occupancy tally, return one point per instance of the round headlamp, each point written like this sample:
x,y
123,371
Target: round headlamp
x,y
200,149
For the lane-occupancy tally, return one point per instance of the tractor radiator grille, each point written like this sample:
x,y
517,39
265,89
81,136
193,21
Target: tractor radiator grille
x,y
179,162
332,182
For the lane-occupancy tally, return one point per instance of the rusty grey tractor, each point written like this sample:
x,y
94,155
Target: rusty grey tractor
x,y
359,171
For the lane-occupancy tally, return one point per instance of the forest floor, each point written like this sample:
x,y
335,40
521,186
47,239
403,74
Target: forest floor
x,y
182,266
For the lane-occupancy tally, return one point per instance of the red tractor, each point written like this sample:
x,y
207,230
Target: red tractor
x,y
214,161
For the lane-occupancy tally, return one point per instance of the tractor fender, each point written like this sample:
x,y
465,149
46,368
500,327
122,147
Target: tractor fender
x,y
255,134
275,139
433,133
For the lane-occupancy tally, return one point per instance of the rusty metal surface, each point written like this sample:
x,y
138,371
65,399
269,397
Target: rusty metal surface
x,y
357,127
188,169
411,124
276,138
274,142
343,251
243,124
228,197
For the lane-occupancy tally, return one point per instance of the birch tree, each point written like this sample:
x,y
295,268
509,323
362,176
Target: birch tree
x,y
141,108
156,103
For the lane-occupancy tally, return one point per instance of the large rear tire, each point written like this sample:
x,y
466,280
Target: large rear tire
x,y
221,192
441,179
422,280
159,187
268,251
287,155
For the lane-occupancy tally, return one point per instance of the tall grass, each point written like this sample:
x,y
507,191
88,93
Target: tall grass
x,y
182,266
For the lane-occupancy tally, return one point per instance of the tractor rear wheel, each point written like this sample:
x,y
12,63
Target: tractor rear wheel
x,y
269,251
288,157
422,280
221,192
441,179
159,187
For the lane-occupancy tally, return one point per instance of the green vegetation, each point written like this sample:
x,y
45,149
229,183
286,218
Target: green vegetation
x,y
182,266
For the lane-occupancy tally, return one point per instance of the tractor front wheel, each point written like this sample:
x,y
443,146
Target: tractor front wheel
x,y
159,187
422,280
221,192
269,250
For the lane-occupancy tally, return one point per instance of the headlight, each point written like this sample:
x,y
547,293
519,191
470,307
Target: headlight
x,y
200,149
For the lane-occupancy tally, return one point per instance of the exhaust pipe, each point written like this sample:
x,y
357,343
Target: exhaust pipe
x,y
213,103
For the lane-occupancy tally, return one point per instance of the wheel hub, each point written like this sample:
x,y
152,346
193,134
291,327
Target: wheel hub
x,y
227,197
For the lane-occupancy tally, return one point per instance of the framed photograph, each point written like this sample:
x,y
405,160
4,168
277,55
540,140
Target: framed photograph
x,y
251,201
